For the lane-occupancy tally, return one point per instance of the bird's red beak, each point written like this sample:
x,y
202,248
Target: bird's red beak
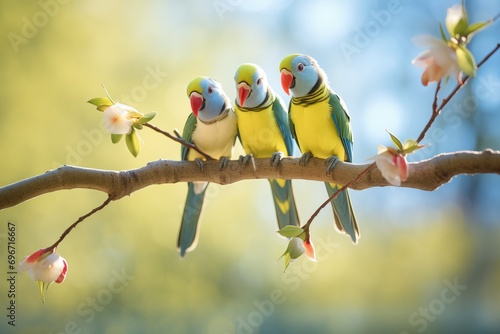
x,y
243,92
286,80
196,100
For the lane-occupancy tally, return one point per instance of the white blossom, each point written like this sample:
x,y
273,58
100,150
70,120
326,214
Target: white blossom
x,y
439,60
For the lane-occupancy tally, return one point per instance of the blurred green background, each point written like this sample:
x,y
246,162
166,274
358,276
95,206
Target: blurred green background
x,y
427,261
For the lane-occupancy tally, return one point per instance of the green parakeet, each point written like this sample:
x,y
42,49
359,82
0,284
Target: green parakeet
x,y
264,133
320,123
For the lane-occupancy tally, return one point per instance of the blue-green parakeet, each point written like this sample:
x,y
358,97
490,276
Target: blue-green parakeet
x,y
212,128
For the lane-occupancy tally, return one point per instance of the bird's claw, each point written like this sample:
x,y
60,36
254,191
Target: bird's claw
x,y
224,161
276,159
200,164
245,159
305,158
331,162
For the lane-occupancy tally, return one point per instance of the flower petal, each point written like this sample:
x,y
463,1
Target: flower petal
x,y
310,252
127,108
439,60
116,120
387,166
423,59
427,41
62,276
402,167
29,261
50,268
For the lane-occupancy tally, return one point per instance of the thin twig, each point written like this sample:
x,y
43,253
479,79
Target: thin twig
x,y
176,132
437,111
179,140
434,103
82,218
335,194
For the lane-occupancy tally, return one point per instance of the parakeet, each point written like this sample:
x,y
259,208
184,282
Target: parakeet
x,y
320,123
264,133
212,128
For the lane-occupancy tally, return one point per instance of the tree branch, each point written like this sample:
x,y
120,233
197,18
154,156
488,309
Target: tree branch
x,y
424,175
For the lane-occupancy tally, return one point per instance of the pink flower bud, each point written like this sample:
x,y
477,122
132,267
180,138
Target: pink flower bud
x,y
45,266
392,165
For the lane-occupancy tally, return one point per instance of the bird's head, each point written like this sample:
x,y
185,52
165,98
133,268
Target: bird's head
x,y
251,85
207,98
300,74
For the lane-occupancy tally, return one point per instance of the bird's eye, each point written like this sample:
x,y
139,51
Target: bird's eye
x,y
300,67
259,81
210,90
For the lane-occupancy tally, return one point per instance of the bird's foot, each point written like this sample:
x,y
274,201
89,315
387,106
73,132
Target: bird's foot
x,y
330,163
305,158
200,164
276,159
246,159
224,161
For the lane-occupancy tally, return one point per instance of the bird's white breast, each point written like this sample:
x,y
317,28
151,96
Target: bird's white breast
x,y
215,139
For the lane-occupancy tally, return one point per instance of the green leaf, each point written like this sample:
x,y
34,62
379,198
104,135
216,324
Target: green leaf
x,y
286,252
290,231
133,143
466,61
443,35
287,260
115,138
133,114
102,108
409,143
41,287
395,140
461,27
456,20
475,27
411,146
102,103
147,117
137,126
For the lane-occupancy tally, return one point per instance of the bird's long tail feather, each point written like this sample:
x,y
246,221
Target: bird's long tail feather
x,y
284,203
188,234
345,220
